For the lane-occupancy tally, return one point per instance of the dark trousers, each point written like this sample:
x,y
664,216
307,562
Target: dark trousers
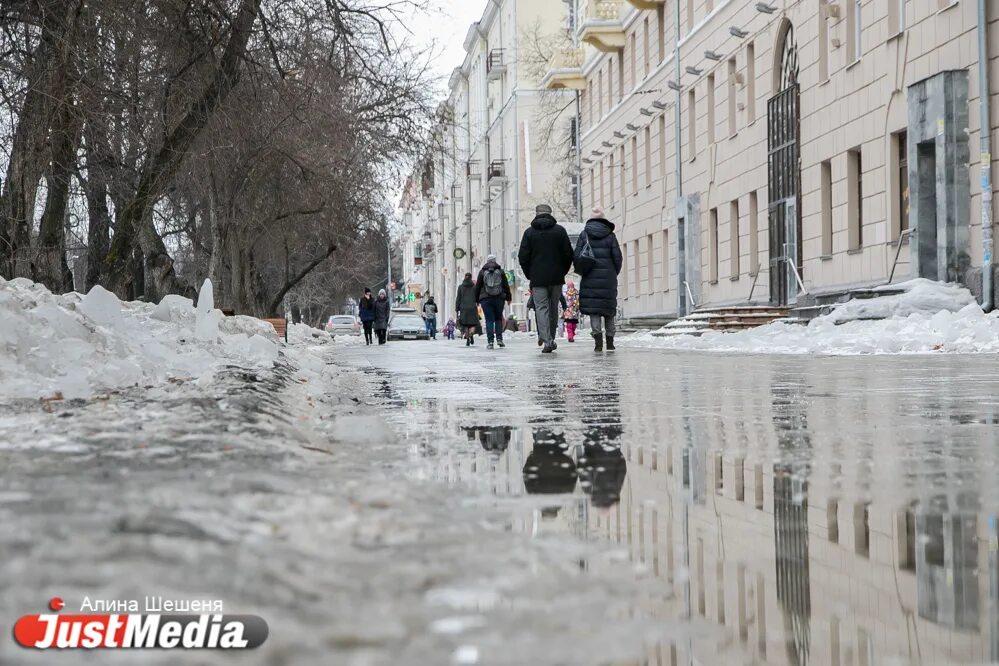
x,y
492,308
367,331
381,335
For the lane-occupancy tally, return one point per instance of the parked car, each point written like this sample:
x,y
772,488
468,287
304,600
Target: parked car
x,y
343,325
407,326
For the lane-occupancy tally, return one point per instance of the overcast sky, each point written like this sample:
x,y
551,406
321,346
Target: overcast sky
x,y
445,27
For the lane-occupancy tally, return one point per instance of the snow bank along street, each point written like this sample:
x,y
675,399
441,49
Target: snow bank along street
x,y
163,451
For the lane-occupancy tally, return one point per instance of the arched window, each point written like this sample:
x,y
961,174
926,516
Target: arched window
x,y
785,70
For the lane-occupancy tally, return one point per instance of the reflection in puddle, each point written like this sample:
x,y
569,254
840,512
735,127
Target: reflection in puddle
x,y
812,511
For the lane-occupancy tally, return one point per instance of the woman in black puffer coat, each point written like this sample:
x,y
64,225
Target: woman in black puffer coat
x,y
598,288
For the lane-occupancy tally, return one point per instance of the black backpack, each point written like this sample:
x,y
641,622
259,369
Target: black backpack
x,y
585,260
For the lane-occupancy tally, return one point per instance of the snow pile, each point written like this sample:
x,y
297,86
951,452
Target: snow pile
x,y
928,317
920,296
75,346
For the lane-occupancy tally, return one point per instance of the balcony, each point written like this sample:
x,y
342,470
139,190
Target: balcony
x,y
602,27
565,70
495,65
497,172
647,4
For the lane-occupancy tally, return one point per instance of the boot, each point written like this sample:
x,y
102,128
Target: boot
x,y
598,342
610,343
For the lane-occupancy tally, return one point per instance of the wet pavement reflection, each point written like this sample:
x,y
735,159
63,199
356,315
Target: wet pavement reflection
x,y
834,511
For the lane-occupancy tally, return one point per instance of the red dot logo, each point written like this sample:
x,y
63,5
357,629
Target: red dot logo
x,y
56,604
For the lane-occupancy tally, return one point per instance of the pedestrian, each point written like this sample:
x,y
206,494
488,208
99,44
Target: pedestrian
x,y
546,257
598,288
449,329
492,291
430,317
467,308
570,315
366,311
383,310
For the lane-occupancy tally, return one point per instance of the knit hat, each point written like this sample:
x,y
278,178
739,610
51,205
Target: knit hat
x,y
597,213
543,209
491,257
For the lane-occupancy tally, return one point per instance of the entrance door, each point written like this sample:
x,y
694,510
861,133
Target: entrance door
x,y
784,172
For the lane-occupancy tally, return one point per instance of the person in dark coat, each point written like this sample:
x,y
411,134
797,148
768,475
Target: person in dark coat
x,y
546,256
492,290
383,311
598,288
366,312
467,307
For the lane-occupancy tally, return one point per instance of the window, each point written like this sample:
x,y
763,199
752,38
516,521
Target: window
x,y
648,156
733,243
713,246
622,174
620,74
662,146
832,520
661,31
754,231
825,193
823,41
638,273
751,83
711,109
593,188
611,198
900,183
634,164
690,16
733,89
855,203
646,48
650,242
600,92
602,174
664,263
692,124
633,48
589,103
854,29
905,522
862,529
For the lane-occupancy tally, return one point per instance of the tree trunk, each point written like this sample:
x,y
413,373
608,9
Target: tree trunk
x,y
99,164
51,265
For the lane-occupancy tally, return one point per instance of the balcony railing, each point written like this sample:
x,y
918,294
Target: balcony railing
x,y
495,65
565,70
602,27
497,171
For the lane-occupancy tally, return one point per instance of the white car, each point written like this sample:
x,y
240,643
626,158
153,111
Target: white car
x,y
343,325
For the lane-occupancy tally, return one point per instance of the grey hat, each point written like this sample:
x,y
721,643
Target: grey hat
x,y
491,257
543,209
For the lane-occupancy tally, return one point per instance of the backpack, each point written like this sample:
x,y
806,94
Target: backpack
x,y
585,260
492,282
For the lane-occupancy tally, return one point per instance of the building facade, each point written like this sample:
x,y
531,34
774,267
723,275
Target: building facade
x,y
756,152
488,165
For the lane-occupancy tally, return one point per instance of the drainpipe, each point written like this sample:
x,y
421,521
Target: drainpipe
x,y
986,167
679,119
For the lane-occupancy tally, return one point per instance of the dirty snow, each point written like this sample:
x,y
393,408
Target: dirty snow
x,y
929,317
76,346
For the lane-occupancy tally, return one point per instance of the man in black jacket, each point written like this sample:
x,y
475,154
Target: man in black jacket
x,y
546,257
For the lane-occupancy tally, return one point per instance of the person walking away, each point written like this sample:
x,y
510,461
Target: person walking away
x,y
492,290
366,312
467,308
546,257
430,317
598,288
383,310
570,314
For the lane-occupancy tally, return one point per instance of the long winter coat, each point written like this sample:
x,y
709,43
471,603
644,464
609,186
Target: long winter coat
x,y
598,288
383,311
366,309
545,252
467,305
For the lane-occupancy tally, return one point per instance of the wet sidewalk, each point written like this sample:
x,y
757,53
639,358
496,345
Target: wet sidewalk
x,y
796,510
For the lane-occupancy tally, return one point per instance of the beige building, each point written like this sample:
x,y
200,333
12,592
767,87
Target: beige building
x,y
738,143
489,167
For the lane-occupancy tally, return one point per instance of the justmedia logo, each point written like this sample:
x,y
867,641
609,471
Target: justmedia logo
x,y
134,631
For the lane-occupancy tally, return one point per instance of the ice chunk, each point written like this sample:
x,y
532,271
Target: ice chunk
x,y
101,307
206,327
173,308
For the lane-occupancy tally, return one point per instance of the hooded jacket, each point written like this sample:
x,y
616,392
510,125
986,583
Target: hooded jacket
x,y
545,252
598,288
383,312
466,304
480,284
366,309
